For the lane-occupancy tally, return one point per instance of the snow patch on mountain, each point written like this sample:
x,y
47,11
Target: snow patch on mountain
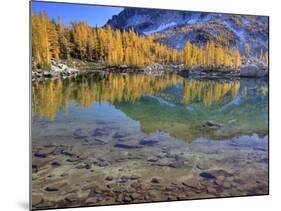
x,y
160,28
240,33
193,19
135,20
197,19
175,28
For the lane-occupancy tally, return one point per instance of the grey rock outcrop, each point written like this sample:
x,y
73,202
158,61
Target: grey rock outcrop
x,y
253,71
58,70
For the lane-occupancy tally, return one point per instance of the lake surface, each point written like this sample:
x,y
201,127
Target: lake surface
x,y
123,138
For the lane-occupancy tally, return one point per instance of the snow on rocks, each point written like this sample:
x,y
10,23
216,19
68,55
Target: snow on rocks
x,y
57,70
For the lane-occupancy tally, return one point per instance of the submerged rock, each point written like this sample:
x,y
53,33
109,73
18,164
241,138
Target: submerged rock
x,y
192,183
155,180
55,187
136,185
84,166
40,155
127,146
136,196
51,189
124,178
45,205
100,132
67,153
34,168
99,141
211,190
152,159
72,198
134,177
146,142
36,199
55,164
207,175
127,199
119,135
177,164
203,165
91,200
78,134
101,162
220,172
213,124
109,178
44,152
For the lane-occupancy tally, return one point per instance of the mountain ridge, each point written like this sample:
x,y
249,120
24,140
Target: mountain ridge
x,y
175,28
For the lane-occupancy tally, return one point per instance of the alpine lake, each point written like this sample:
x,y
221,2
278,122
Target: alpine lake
x,y
112,138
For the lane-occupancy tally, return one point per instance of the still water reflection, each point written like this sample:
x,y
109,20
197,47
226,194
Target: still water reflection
x,y
102,139
185,108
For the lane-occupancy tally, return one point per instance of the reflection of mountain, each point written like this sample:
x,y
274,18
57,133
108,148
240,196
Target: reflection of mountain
x,y
238,107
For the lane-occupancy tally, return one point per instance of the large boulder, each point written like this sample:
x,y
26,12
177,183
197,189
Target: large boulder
x,y
55,68
71,70
154,69
253,71
62,66
123,66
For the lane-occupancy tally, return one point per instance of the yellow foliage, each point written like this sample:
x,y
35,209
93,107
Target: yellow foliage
x,y
113,47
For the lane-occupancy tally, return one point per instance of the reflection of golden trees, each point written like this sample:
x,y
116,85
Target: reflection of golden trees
x,y
208,91
47,99
51,96
261,90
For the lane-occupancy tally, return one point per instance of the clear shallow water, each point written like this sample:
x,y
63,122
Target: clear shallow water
x,y
121,138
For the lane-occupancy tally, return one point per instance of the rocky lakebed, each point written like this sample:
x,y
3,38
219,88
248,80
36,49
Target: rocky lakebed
x,y
129,138
102,167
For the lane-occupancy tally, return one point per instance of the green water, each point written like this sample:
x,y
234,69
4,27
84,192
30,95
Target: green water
x,y
169,103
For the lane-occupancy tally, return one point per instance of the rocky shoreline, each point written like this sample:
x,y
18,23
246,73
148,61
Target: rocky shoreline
x,y
60,70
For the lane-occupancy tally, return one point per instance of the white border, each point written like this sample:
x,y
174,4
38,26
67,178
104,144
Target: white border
x,y
14,86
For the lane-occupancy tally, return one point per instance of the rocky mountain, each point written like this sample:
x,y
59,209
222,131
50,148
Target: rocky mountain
x,y
174,28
